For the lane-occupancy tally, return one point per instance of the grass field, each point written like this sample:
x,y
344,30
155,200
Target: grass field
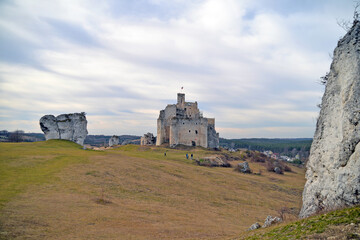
x,y
56,190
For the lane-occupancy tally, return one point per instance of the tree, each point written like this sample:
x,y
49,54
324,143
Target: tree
x,y
346,24
16,136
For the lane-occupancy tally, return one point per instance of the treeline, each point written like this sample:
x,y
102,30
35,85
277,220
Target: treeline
x,y
103,140
20,136
285,146
95,140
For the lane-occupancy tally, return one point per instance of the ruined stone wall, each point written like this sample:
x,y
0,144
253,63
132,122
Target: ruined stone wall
x,y
191,110
212,135
190,132
148,139
163,124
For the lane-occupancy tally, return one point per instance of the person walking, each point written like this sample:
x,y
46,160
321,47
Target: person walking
x,y
187,156
192,156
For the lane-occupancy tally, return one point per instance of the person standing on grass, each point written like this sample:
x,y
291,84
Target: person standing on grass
x,y
187,156
165,154
192,156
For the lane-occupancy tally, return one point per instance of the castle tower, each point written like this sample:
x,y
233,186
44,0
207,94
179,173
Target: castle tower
x,y
181,100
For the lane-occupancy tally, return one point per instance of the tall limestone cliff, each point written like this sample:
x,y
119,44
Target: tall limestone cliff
x,y
65,126
333,170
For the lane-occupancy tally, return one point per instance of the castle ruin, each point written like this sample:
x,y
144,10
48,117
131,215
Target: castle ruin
x,y
182,123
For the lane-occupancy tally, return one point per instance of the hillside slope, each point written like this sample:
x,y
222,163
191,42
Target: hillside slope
x,y
337,225
56,190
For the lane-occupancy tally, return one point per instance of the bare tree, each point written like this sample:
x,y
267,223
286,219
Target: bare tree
x,y
16,136
347,24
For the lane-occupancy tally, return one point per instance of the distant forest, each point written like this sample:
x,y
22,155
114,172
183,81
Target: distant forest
x,y
95,140
285,146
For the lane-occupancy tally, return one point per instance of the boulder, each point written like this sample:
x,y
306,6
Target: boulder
x,y
65,126
148,139
278,170
114,140
243,167
213,161
271,220
126,142
254,226
333,176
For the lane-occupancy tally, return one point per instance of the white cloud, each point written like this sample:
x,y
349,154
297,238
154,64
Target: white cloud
x,y
245,63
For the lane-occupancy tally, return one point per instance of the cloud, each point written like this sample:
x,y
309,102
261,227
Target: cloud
x,y
250,64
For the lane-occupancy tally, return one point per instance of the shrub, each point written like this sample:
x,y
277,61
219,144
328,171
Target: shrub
x,y
287,168
270,166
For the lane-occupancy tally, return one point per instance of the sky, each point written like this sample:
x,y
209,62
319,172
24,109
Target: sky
x,y
254,66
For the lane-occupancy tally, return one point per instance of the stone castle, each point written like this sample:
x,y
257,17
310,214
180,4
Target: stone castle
x,y
182,123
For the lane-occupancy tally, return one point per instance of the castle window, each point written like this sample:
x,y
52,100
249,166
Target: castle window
x,y
185,109
189,131
196,131
183,123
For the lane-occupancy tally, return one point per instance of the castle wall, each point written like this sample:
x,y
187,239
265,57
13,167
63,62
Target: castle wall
x,y
163,124
212,135
192,110
189,132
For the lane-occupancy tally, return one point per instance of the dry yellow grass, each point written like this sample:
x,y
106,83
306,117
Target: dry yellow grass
x,y
135,192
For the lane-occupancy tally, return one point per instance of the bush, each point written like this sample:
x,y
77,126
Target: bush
x,y
297,161
287,168
269,166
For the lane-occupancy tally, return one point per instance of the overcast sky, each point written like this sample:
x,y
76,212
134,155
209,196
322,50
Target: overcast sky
x,y
253,65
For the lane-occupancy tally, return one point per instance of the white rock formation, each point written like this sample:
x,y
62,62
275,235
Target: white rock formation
x,y
254,226
271,221
333,169
114,140
244,167
65,126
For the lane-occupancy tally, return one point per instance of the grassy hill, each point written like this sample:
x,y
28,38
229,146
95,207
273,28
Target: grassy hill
x,y
339,224
56,190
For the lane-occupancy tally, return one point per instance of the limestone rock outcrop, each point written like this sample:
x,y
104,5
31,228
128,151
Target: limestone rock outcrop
x,y
114,140
243,167
148,139
65,126
213,161
333,169
254,226
271,221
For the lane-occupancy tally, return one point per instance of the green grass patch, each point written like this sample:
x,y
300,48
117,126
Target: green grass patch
x,y
25,164
313,225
